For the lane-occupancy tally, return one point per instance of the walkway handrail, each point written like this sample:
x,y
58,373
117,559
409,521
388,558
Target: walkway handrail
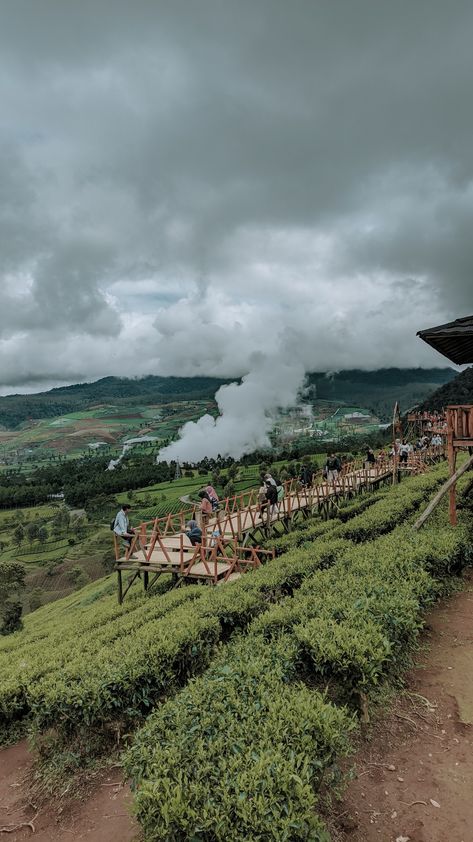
x,y
241,512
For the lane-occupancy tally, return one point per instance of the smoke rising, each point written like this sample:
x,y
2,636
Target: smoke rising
x,y
247,412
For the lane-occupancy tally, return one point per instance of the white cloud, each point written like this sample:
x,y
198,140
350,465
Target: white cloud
x,y
183,187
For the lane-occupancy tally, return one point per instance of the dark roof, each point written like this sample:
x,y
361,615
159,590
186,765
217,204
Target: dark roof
x,y
454,340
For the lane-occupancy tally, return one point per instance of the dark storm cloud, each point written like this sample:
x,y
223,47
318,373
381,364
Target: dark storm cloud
x,y
307,165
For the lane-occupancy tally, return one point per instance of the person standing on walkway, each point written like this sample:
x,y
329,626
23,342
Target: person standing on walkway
x,y
332,467
306,476
272,498
213,497
205,509
370,458
263,501
404,449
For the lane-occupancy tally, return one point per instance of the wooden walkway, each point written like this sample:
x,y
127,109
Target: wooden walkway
x,y
231,538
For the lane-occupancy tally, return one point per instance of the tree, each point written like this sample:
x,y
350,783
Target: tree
x,y
32,531
11,616
79,576
42,534
229,490
12,582
36,599
232,471
19,535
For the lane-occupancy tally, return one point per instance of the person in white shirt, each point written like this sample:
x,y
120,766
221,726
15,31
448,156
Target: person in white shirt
x,y
121,527
404,450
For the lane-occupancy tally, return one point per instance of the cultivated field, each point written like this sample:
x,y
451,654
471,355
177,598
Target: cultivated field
x,y
249,691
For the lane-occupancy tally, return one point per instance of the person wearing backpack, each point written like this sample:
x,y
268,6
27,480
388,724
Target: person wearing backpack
x,y
272,498
213,497
121,525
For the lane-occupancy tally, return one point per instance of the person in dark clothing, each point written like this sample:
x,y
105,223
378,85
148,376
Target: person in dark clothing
x,y
370,458
194,532
332,467
272,498
306,476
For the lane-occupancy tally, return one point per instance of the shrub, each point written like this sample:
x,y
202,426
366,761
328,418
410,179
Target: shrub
x,y
240,753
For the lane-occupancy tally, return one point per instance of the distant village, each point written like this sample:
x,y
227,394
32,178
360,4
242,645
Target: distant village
x,y
324,420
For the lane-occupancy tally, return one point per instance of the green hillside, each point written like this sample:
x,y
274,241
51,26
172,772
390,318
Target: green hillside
x,y
456,391
377,390
15,409
250,691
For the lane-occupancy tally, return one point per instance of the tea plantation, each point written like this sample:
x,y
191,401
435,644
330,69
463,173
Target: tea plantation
x,y
239,700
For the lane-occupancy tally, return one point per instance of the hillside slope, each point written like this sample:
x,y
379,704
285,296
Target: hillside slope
x,y
380,389
15,409
377,390
459,390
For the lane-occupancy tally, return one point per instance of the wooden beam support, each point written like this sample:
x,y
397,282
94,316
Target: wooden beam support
x,y
440,494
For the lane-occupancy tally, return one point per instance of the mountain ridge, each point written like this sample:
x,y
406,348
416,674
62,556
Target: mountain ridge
x,y
377,389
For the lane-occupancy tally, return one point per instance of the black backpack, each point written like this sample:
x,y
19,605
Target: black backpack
x,y
271,493
112,524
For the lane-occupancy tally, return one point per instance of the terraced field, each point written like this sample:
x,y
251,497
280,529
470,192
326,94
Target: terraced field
x,y
250,691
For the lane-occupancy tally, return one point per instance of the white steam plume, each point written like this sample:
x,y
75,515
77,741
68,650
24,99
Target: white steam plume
x,y
247,412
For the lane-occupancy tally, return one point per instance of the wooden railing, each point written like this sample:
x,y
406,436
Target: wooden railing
x,y
242,513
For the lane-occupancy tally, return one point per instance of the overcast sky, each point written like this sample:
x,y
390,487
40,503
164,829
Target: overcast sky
x,y
187,186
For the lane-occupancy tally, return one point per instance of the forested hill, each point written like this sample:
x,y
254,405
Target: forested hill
x,y
380,389
375,390
14,409
458,390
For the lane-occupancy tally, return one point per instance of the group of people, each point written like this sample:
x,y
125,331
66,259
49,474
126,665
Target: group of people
x,y
271,490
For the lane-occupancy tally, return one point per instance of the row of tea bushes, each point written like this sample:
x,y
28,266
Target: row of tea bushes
x,y
203,758
241,755
54,657
95,604
125,678
358,618
92,677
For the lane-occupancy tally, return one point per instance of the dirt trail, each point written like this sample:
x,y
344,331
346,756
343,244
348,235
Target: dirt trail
x,y
414,777
103,816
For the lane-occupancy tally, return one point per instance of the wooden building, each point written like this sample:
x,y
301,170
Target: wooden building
x,y
455,341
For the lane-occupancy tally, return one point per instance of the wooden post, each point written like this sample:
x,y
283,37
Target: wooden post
x,y
440,494
120,587
452,463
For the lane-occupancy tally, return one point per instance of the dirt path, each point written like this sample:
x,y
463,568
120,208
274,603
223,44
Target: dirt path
x,y
101,817
414,778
